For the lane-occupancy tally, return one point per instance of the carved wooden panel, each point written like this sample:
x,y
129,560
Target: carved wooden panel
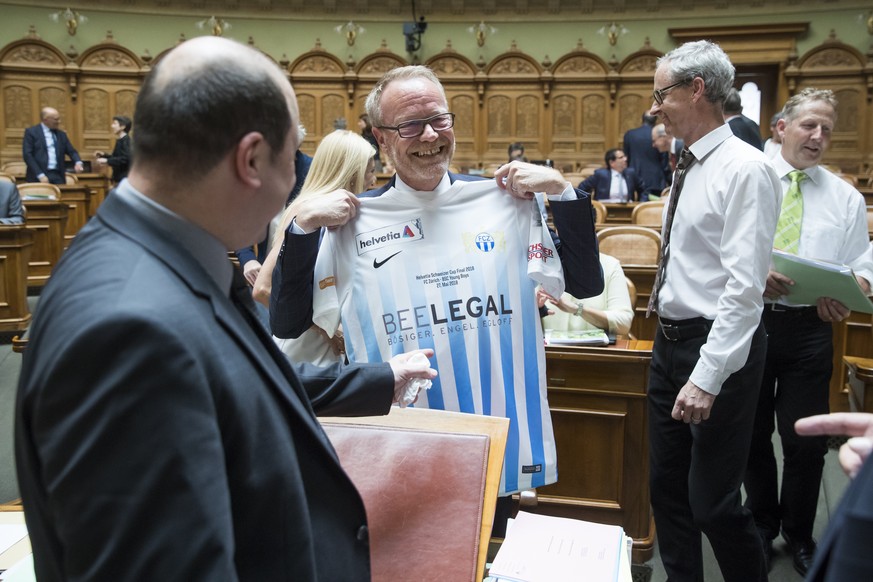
x,y
578,66
316,64
832,58
33,54
17,107
96,110
332,109
451,66
564,110
306,104
527,116
54,97
848,102
465,121
125,103
110,58
513,66
631,108
499,121
593,114
379,65
646,63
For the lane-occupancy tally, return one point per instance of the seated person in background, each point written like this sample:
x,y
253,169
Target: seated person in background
x,y
516,152
343,161
610,311
119,160
616,182
11,211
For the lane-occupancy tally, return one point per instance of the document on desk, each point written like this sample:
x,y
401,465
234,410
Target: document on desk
x,y
593,337
814,279
542,548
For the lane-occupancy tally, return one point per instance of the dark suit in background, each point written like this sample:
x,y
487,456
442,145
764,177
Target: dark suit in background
x,y
120,158
35,152
649,164
11,211
747,130
600,181
844,553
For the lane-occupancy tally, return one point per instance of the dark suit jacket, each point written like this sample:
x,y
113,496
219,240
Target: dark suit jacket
x,y
651,166
291,295
35,151
600,181
160,437
301,170
747,130
11,211
119,161
844,553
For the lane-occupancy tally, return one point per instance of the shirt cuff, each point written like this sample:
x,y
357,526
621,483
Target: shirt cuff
x,y
569,193
294,229
707,379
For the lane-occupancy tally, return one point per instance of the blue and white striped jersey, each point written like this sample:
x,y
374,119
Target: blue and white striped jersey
x,y
454,272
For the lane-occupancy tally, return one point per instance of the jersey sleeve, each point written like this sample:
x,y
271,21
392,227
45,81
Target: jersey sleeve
x,y
325,300
543,264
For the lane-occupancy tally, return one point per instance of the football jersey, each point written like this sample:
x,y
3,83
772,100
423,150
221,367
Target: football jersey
x,y
455,272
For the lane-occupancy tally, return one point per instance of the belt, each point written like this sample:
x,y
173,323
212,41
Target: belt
x,y
684,329
791,310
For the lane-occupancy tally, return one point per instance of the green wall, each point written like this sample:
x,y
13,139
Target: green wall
x,y
552,35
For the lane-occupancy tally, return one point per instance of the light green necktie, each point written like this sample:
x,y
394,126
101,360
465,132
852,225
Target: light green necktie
x,y
788,228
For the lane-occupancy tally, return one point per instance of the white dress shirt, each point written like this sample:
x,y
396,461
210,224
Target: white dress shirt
x,y
720,243
50,146
617,187
834,226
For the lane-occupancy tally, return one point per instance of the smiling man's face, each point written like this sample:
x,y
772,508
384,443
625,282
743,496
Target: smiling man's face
x,y
421,161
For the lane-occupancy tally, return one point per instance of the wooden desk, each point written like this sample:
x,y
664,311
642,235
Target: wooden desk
x,y
47,219
597,396
16,242
99,185
78,200
642,327
618,212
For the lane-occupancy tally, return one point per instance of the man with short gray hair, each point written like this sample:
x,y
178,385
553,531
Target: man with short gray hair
x,y
709,346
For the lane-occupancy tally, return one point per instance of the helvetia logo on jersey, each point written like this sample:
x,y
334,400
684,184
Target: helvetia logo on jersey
x,y
485,242
402,232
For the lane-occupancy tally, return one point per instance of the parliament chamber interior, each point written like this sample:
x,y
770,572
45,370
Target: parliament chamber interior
x,y
566,79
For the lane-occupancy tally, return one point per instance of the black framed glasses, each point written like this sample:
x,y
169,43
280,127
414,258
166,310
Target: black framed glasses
x,y
415,127
658,94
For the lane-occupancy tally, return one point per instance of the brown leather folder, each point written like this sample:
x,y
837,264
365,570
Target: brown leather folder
x,y
429,481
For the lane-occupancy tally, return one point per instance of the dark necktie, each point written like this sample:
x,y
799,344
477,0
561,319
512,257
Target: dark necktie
x,y
686,160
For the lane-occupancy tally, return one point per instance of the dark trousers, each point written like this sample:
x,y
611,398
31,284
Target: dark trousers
x,y
56,176
696,470
796,380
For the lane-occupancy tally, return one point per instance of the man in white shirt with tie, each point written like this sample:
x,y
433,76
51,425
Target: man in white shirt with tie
x,y
823,217
616,182
709,350
45,147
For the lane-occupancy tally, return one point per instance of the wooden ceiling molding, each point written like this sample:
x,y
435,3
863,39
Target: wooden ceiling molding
x,y
753,44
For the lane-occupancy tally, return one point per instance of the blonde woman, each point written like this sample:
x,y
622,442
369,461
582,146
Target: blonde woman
x,y
343,161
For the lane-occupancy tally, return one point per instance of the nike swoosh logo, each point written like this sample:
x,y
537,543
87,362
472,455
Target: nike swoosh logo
x,y
377,263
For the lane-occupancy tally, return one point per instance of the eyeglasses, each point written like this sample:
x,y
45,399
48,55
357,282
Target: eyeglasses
x,y
658,94
415,127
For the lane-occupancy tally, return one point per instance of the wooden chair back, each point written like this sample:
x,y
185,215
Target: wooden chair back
x,y
870,221
17,169
600,211
631,245
6,178
39,190
648,214
71,178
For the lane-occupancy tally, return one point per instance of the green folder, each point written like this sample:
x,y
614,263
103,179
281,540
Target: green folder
x,y
814,279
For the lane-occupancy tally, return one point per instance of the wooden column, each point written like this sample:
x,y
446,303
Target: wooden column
x,y
15,245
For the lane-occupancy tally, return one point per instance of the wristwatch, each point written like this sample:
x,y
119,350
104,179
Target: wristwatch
x,y
578,312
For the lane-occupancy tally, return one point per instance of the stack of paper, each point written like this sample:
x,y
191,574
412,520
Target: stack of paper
x,y
542,548
814,279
